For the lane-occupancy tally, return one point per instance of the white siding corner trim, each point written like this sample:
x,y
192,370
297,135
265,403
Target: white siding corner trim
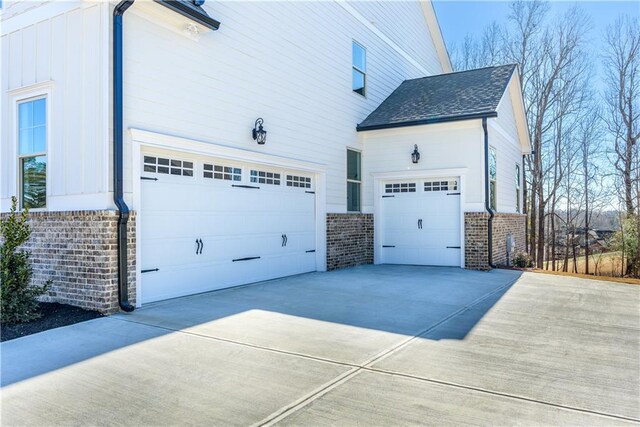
x,y
142,138
380,177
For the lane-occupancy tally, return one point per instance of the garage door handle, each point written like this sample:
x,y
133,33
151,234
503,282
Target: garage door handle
x,y
419,224
198,246
201,245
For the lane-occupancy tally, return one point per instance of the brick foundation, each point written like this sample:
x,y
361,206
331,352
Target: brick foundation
x,y
476,239
77,251
349,240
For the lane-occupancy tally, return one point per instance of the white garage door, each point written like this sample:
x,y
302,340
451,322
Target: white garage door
x,y
420,222
210,224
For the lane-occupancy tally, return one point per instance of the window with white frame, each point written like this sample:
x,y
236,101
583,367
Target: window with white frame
x,y
518,207
359,68
32,152
353,181
493,173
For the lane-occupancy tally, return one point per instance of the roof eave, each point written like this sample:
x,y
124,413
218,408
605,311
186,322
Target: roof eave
x,y
432,121
200,18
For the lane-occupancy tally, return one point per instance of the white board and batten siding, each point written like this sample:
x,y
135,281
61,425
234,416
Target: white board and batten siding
x,y
59,49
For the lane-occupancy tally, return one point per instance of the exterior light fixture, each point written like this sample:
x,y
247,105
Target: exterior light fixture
x,y
259,134
415,156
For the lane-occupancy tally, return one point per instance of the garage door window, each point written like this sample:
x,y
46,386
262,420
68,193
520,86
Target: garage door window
x,y
168,166
403,187
227,173
298,181
451,185
262,177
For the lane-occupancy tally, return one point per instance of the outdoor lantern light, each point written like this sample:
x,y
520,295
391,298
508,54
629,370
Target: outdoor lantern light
x,y
259,134
415,156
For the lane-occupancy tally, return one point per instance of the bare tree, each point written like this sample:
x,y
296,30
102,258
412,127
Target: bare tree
x,y
622,96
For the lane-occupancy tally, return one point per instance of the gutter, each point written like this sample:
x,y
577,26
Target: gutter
x,y
434,120
118,142
487,203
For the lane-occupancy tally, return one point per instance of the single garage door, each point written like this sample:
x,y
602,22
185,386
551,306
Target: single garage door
x,y
210,224
420,222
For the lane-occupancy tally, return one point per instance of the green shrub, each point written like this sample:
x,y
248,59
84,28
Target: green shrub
x,y
522,260
18,296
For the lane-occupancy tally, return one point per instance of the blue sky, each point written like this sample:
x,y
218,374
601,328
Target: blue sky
x,y
458,18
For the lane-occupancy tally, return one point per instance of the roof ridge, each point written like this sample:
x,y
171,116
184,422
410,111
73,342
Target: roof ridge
x,y
514,64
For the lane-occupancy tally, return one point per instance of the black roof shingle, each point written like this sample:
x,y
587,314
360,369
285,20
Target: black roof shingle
x,y
440,98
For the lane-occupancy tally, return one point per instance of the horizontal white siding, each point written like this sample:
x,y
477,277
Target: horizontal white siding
x,y
297,76
441,146
69,51
404,23
504,138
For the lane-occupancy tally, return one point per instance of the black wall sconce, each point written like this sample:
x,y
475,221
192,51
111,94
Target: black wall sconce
x,y
259,134
415,156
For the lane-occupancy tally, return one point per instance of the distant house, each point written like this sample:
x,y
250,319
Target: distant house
x,y
167,148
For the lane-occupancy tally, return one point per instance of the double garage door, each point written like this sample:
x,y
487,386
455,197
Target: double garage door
x,y
209,224
420,222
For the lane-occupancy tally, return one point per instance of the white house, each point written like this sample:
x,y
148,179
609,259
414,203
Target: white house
x,y
167,148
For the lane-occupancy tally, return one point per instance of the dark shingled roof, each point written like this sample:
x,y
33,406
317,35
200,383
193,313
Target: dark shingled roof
x,y
192,11
455,96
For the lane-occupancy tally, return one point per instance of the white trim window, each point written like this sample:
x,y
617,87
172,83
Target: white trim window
x,y
32,152
354,180
493,173
518,207
358,69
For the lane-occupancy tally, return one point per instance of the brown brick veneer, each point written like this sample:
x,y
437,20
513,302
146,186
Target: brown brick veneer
x,y
77,251
349,240
476,239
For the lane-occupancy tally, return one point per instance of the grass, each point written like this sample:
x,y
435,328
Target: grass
x,y
603,266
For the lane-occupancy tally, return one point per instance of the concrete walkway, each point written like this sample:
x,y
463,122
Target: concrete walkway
x,y
372,345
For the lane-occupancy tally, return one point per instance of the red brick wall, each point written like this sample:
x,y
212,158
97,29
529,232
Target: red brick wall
x,y
349,240
77,251
476,238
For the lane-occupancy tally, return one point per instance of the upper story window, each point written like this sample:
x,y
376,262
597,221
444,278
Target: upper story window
x,y
493,173
32,152
353,181
359,69
518,207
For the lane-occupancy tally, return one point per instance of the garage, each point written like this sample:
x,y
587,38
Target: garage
x,y
209,223
420,222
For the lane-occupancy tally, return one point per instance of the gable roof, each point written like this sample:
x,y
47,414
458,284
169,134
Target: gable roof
x,y
191,10
440,98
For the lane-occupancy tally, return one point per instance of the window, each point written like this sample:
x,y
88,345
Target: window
x,y
262,177
359,69
493,165
32,152
353,181
298,181
518,188
403,187
451,185
168,166
227,173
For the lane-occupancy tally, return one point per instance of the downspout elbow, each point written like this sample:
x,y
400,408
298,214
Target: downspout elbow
x,y
487,202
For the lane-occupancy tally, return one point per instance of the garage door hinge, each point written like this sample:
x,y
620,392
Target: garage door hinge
x,y
453,194
244,186
388,246
150,270
246,259
387,196
453,247
146,178
310,192
309,251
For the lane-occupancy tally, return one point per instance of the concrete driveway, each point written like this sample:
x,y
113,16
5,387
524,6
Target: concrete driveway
x,y
372,345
